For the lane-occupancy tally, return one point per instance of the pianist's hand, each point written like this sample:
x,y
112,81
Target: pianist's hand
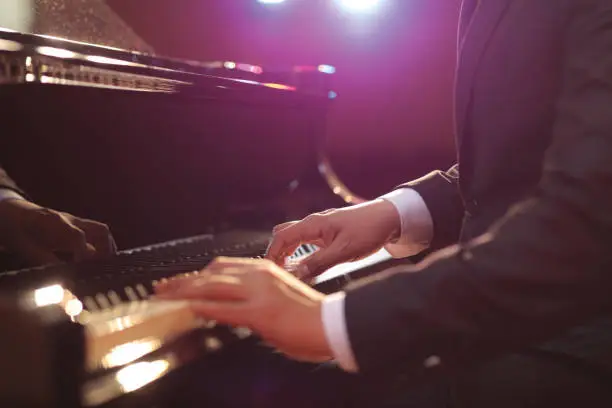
x,y
347,234
257,294
40,235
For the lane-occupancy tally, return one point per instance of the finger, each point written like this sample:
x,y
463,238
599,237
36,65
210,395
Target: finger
x,y
166,286
330,210
275,230
323,259
286,241
214,287
175,283
224,262
282,226
96,234
60,235
75,244
235,314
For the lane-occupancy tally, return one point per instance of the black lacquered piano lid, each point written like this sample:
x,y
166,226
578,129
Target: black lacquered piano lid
x,y
22,56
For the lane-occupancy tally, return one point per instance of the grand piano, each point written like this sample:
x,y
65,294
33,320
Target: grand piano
x,y
159,149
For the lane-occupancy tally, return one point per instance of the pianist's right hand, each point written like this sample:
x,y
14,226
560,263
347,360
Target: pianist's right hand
x,y
41,236
346,234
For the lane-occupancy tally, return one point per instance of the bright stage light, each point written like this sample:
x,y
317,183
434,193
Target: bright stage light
x,y
271,1
359,5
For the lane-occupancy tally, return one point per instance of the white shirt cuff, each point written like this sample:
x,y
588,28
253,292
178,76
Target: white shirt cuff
x,y
6,193
417,224
336,333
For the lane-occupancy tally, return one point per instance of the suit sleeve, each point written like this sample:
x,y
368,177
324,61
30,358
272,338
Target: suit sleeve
x,y
440,191
546,266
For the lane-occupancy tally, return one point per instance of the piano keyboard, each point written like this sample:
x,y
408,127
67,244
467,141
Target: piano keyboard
x,y
125,316
129,340
111,322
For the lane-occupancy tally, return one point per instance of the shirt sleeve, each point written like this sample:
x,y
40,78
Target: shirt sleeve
x,y
416,223
336,333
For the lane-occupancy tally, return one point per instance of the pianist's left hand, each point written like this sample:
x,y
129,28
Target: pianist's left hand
x,y
39,235
260,295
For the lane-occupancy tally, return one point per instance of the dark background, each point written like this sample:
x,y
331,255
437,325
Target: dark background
x,y
392,120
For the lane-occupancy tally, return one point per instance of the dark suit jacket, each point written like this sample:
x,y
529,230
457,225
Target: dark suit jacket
x,y
530,201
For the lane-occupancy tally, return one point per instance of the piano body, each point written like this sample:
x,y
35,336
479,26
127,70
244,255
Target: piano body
x,y
159,148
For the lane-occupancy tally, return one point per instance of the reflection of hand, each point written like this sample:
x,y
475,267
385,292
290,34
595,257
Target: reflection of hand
x,y
259,295
347,234
40,235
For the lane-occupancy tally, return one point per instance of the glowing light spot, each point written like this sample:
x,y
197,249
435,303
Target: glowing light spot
x,y
138,375
106,60
50,295
280,86
56,52
327,69
359,5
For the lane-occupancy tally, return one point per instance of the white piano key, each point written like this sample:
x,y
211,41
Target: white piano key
x,y
131,294
90,304
114,298
103,301
132,307
142,291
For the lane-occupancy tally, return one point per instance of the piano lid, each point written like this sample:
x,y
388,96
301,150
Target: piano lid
x,y
42,59
85,43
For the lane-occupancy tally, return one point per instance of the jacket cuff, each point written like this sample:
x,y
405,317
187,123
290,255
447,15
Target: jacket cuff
x,y
440,192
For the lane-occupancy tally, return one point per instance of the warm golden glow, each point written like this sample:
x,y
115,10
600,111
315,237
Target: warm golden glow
x,y
57,295
138,375
7,45
50,295
128,352
280,86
